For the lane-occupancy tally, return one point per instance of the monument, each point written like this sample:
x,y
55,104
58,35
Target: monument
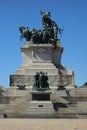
x,y
41,72
42,86
42,52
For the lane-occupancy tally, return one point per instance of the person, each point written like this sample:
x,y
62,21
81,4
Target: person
x,y
46,21
34,36
37,84
55,29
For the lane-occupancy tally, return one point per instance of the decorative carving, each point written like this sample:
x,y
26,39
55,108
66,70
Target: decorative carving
x,y
20,80
21,87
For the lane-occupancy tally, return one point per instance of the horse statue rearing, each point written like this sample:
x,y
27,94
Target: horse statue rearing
x,y
25,33
49,32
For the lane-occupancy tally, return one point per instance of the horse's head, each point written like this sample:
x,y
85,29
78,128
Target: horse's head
x,y
21,29
25,33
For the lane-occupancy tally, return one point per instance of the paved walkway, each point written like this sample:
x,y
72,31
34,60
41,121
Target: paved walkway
x,y
43,124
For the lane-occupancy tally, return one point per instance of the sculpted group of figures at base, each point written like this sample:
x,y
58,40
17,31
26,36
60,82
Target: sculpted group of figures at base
x,y
49,30
41,81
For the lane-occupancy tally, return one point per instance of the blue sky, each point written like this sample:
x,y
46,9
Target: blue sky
x,y
72,14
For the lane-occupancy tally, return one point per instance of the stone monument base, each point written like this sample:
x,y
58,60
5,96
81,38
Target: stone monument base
x,y
41,95
45,58
40,108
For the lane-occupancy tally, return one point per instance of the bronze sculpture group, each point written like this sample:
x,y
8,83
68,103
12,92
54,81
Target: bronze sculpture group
x,y
48,33
41,81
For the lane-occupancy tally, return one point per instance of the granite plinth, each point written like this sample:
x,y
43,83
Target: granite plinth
x,y
41,95
34,54
40,108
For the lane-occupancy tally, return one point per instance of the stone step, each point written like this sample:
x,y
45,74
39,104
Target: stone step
x,y
45,116
40,107
39,111
66,110
42,65
37,67
50,71
82,104
78,92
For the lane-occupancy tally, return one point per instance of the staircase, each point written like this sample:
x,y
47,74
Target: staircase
x,y
19,105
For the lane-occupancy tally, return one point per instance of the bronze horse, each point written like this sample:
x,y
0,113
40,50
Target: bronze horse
x,y
25,33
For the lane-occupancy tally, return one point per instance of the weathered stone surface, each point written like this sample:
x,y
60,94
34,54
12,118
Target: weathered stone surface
x,y
40,108
28,80
41,53
37,67
23,102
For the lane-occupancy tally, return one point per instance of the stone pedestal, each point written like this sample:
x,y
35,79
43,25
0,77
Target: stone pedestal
x,y
40,109
40,57
41,95
33,53
40,104
46,58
